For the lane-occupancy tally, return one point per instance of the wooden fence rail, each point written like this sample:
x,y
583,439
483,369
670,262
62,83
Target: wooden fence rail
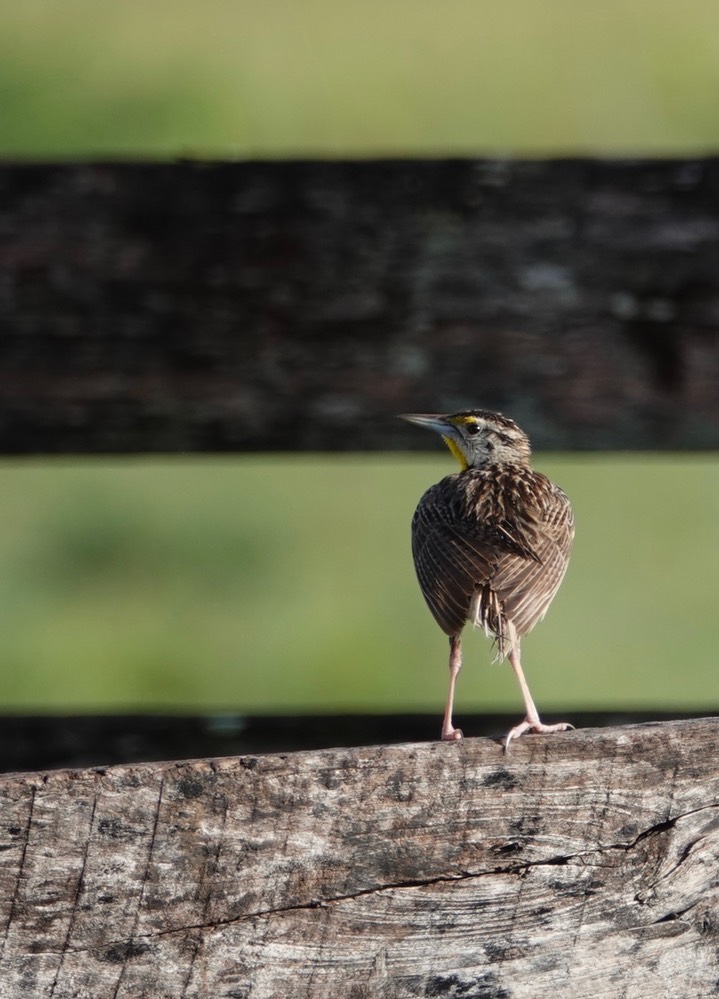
x,y
584,864
299,306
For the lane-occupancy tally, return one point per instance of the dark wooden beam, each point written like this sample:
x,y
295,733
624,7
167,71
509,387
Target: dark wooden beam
x,y
284,306
582,864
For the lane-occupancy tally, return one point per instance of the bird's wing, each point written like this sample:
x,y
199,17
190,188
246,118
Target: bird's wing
x,y
450,566
456,555
524,587
490,572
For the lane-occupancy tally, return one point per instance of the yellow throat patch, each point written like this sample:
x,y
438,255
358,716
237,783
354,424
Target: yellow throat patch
x,y
456,451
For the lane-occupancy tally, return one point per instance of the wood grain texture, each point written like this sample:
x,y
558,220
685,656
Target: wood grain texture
x,y
582,865
300,305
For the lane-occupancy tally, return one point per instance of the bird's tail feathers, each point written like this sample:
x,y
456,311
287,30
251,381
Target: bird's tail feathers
x,y
487,613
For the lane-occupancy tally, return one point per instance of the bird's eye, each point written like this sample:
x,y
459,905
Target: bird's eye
x,y
471,429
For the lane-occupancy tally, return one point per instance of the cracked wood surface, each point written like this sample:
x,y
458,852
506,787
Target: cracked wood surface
x,y
582,865
212,306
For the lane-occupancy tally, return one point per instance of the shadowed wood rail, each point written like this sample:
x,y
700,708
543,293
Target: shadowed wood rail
x,y
583,864
211,307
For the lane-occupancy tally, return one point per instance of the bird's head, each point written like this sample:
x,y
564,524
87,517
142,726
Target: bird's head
x,y
478,438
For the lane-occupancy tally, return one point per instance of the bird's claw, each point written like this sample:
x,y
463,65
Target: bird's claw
x,y
534,726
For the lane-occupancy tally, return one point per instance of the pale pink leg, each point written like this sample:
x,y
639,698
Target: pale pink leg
x,y
532,721
449,732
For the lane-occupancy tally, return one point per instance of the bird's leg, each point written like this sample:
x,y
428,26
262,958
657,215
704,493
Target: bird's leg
x,y
449,732
532,721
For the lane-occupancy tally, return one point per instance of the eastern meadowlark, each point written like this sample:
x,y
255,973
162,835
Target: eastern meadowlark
x,y
491,545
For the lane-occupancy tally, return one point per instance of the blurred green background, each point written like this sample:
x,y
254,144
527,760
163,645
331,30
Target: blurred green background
x,y
303,77
287,584
265,583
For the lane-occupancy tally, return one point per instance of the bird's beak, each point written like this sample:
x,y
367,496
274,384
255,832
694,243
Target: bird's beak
x,y
441,425
432,421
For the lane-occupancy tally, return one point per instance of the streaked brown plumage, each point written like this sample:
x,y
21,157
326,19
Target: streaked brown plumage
x,y
491,544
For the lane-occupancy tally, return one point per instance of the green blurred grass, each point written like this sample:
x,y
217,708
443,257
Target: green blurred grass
x,y
278,584
358,78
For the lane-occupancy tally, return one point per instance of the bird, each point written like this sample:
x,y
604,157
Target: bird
x,y
491,545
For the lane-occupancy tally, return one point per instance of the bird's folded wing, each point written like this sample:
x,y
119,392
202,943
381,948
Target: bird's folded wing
x,y
456,559
525,588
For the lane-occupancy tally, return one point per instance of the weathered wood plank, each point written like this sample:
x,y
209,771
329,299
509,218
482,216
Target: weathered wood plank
x,y
283,306
581,865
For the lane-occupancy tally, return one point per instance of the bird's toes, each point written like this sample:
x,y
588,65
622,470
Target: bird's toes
x,y
515,733
557,727
534,726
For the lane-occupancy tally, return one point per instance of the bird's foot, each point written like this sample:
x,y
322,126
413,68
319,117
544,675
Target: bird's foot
x,y
452,734
534,726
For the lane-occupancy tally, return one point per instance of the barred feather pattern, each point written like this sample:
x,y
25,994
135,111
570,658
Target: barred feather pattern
x,y
491,546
